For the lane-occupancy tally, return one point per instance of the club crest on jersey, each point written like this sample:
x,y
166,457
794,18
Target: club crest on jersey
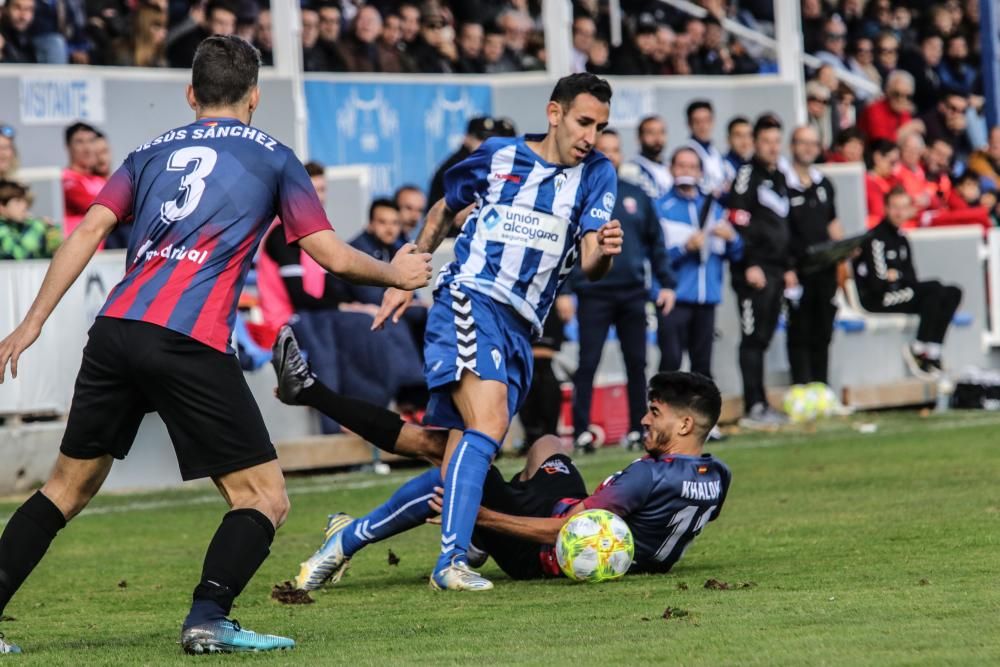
x,y
491,219
609,201
559,181
497,358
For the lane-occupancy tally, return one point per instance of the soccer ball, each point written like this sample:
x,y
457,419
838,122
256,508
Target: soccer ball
x,y
824,399
800,404
595,545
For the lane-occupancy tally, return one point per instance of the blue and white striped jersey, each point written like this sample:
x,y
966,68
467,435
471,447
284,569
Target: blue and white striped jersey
x,y
522,238
653,177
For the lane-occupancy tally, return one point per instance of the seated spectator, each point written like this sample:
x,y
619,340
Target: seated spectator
x,y
880,180
434,51
883,119
495,57
862,63
713,56
411,204
599,61
584,33
743,62
966,205
79,182
956,71
887,283
53,23
470,49
8,152
948,121
937,168
843,109
635,54
985,162
849,146
381,239
247,12
909,174
517,27
263,39
813,25
362,49
818,112
409,23
924,65
16,46
834,51
146,43
886,53
220,19
23,236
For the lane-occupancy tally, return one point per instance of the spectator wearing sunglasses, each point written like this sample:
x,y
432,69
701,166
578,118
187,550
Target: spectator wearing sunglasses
x,y
861,62
884,118
8,153
834,51
948,121
818,112
925,66
886,53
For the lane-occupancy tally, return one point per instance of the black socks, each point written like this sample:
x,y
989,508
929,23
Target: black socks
x,y
379,426
239,547
25,540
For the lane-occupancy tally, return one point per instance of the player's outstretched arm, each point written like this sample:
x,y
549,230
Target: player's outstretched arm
x,y
69,261
533,529
600,248
409,270
395,302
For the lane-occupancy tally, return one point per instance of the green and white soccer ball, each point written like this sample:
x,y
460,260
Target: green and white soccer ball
x,y
595,545
806,402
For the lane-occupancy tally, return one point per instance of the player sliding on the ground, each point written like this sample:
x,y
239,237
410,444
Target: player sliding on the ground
x,y
666,497
540,201
201,197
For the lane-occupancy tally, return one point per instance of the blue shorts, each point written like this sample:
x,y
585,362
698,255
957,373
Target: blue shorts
x,y
469,331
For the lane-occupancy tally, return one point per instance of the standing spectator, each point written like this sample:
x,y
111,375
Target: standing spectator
x,y
478,130
23,236
263,38
8,152
470,49
818,112
146,43
647,169
886,53
220,19
759,208
699,241
620,299
880,180
948,121
16,46
739,134
813,219
411,202
701,123
956,71
924,65
985,162
883,118
584,32
862,63
887,283
79,182
834,52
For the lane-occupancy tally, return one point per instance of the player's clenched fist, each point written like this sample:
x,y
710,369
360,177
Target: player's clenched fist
x,y
610,238
413,269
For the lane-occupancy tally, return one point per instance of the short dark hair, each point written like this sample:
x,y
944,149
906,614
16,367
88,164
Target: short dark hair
x,y
647,119
848,134
381,202
968,175
225,70
314,168
569,87
75,128
406,187
766,121
883,146
688,391
610,131
224,5
11,190
685,149
697,105
737,120
896,191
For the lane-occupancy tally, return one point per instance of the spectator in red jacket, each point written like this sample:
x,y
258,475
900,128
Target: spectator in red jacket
x,y
910,174
884,118
965,206
80,184
879,180
937,167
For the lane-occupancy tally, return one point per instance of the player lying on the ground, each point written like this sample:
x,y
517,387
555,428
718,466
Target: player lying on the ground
x,y
666,497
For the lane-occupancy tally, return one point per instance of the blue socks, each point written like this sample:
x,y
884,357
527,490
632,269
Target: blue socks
x,y
463,492
406,509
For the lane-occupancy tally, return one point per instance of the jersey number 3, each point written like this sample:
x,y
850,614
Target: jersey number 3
x,y
192,184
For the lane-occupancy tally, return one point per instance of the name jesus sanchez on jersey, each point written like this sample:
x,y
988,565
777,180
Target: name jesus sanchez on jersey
x,y
218,131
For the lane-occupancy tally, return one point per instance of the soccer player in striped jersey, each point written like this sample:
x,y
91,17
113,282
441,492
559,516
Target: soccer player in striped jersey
x,y
199,198
537,204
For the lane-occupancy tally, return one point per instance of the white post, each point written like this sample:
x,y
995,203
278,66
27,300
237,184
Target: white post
x,y
557,16
788,34
615,17
286,22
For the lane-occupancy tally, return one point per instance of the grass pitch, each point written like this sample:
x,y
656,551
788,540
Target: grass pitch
x,y
840,548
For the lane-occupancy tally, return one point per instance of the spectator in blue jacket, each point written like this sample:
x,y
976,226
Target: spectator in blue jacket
x,y
698,241
620,299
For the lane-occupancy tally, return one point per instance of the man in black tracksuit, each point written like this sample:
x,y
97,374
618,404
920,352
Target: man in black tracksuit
x,y
620,299
759,208
813,219
887,283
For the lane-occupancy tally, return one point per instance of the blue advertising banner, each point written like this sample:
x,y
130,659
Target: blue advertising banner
x,y
403,131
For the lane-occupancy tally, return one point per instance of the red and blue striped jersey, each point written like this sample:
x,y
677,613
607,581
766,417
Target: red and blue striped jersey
x,y
201,198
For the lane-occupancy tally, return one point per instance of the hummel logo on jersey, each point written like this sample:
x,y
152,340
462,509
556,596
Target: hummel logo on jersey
x,y
497,358
555,467
491,219
512,178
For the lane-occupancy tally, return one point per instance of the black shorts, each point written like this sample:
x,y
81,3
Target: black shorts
x,y
557,479
130,368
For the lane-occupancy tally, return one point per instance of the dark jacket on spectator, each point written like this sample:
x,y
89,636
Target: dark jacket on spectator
x,y
324,57
937,129
374,57
17,46
180,52
927,82
470,66
370,245
428,59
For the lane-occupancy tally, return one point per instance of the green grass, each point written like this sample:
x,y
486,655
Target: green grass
x,y
864,549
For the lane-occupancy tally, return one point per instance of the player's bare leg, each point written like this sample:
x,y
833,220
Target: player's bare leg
x,y
540,451
483,407
28,534
259,505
